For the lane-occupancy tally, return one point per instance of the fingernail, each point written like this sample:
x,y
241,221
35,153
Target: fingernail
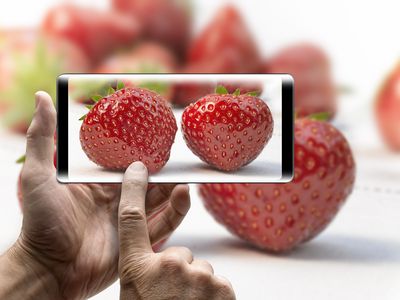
x,y
37,99
137,166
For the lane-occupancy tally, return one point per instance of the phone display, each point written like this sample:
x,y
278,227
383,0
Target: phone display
x,y
188,128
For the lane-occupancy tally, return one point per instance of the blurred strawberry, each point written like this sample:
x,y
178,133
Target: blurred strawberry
x,y
165,21
277,216
387,109
188,92
224,46
228,40
147,57
28,63
314,89
95,32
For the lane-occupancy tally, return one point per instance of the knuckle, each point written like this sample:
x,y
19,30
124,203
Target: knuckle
x,y
184,250
132,214
171,262
224,289
202,278
126,275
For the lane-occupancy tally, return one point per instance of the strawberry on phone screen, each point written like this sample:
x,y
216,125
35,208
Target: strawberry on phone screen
x,y
314,90
278,217
387,109
95,32
227,131
130,124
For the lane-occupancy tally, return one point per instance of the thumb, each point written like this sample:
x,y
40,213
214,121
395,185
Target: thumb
x,y
133,232
40,134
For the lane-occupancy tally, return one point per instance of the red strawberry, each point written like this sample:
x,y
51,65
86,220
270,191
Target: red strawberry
x,y
314,89
226,36
147,57
227,131
387,109
132,124
165,21
278,217
96,32
225,46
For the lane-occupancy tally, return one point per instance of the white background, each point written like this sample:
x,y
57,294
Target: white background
x,y
358,256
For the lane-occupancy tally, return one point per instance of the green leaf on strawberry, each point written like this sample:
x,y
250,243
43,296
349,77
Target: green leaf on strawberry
x,y
21,160
254,93
322,116
221,90
120,85
96,98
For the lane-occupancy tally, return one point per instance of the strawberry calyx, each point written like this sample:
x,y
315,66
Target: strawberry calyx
x,y
97,98
320,116
221,90
21,159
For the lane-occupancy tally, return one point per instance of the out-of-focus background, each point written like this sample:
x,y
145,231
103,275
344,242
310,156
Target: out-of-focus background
x,y
341,53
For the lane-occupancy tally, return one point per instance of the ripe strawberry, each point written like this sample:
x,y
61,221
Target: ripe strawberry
x,y
132,124
95,32
226,36
227,131
387,109
278,217
225,46
147,57
314,89
165,21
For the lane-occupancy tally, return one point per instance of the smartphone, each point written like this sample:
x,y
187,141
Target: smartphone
x,y
186,128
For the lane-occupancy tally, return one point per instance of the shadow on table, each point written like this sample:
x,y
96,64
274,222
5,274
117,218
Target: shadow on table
x,y
328,248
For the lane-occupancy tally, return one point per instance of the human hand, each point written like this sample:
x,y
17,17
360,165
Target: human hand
x,y
171,274
70,231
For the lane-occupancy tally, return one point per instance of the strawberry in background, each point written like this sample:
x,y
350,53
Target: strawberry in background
x,y
314,90
146,57
31,62
278,217
387,109
164,21
226,39
224,46
97,33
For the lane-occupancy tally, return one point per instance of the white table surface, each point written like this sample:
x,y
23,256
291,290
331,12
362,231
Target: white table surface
x,y
358,256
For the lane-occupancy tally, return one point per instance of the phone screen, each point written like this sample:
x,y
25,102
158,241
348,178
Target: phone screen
x,y
186,128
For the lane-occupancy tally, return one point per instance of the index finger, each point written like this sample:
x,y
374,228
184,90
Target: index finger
x,y
132,223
